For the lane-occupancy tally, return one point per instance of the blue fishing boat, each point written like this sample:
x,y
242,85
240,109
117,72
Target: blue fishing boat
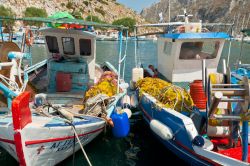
x,y
57,106
200,127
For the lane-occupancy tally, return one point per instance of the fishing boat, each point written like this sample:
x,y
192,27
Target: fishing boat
x,y
57,106
189,108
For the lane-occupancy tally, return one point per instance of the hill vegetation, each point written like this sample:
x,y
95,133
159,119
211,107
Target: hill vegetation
x,y
106,10
7,12
35,12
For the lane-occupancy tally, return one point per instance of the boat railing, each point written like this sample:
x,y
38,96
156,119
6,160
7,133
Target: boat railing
x,y
121,59
9,86
36,66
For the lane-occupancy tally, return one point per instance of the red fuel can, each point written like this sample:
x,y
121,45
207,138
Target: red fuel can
x,y
63,82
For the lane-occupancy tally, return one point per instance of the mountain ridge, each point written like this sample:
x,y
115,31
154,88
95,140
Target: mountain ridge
x,y
226,11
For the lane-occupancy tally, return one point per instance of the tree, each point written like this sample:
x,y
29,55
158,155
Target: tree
x,y
35,12
6,12
94,19
127,22
77,14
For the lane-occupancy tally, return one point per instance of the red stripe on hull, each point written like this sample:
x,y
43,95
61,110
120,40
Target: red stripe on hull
x,y
58,139
19,149
197,155
7,141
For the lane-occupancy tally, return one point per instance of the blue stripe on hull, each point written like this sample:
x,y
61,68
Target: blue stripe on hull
x,y
86,120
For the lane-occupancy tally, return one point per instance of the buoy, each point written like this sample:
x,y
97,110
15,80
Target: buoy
x,y
121,124
127,111
161,130
109,121
134,101
132,85
40,99
197,93
137,74
125,102
202,142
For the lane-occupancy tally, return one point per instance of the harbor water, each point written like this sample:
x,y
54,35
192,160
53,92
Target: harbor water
x,y
140,147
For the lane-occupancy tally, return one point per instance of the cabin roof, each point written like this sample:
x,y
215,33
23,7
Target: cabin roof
x,y
67,32
207,35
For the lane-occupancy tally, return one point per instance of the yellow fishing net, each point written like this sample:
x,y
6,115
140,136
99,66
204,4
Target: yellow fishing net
x,y
169,95
105,86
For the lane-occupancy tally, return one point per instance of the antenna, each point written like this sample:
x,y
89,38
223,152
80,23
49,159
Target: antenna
x,y
186,15
161,17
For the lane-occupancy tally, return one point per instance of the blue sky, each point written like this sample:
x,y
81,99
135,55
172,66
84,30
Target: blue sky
x,y
137,5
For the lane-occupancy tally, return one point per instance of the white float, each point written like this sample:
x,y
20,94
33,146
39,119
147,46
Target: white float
x,y
161,129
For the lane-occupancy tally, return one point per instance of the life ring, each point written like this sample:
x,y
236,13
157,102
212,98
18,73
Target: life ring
x,y
29,38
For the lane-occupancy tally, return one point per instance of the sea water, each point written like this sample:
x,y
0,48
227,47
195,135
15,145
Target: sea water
x,y
140,147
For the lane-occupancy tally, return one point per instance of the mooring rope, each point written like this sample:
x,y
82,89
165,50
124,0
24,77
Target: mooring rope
x,y
75,133
85,154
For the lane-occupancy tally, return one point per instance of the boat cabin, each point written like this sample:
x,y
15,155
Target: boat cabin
x,y
180,55
71,59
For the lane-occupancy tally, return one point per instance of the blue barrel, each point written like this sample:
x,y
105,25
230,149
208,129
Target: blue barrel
x,y
121,124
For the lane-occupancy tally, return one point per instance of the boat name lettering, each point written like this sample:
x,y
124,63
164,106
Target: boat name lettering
x,y
64,145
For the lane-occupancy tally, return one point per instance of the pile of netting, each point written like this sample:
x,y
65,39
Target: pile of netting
x,y
107,84
171,96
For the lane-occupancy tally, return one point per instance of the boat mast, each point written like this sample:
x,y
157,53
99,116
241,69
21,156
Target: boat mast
x,y
1,30
89,6
247,21
237,24
242,26
169,17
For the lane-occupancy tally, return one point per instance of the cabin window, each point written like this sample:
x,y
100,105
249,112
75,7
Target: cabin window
x,y
85,47
52,44
167,48
68,45
199,50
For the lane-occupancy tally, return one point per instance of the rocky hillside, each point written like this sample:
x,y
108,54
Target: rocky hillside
x,y
106,10
227,11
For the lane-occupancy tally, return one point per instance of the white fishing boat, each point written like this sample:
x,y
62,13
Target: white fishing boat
x,y
54,107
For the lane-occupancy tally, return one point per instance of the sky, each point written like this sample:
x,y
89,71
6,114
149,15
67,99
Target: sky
x,y
137,5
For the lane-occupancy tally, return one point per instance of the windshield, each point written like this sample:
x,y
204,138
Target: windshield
x,y
199,50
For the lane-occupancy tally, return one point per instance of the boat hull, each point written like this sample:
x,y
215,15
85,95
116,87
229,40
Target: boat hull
x,y
48,142
184,132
